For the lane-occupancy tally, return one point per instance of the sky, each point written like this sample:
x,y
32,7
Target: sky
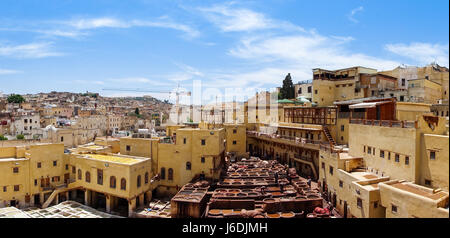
x,y
84,45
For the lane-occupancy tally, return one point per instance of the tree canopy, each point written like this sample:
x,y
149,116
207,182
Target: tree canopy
x,y
20,137
2,137
136,111
287,91
16,98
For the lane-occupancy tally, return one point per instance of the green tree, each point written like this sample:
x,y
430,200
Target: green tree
x,y
20,137
16,98
2,137
288,90
136,111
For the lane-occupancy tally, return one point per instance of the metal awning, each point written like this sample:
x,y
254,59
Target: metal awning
x,y
363,105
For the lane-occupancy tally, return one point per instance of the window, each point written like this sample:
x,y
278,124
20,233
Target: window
x,y
79,174
331,170
373,151
99,176
16,188
188,165
4,189
146,178
432,155
170,175
128,148
62,138
112,182
364,149
203,142
389,155
359,202
300,91
234,142
123,184
184,140
323,165
16,170
67,167
138,182
309,89
39,164
163,173
341,184
73,169
315,91
369,150
427,182
35,182
88,177
402,98
203,159
407,160
403,82
234,131
397,158
375,204
55,163
382,153
394,208
342,127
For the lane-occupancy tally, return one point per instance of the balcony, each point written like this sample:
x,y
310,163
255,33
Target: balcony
x,y
385,123
290,140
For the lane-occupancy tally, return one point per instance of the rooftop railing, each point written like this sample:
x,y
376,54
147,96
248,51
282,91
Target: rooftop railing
x,y
385,123
290,138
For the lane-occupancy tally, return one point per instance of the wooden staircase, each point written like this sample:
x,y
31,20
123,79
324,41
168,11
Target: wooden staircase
x,y
327,133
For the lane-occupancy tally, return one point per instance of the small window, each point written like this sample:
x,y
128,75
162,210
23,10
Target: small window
x,y
203,159
16,170
203,142
123,184
234,131
406,160
389,155
184,140
427,182
128,148
4,188
79,174
359,202
397,158
323,165
138,181
170,175
364,149
373,151
35,182
67,167
369,150
315,91
62,138
16,188
146,178
99,176
73,169
112,182
375,204
341,184
342,127
234,142
87,177
382,153
432,155
188,165
55,163
394,209
163,173
39,164
331,170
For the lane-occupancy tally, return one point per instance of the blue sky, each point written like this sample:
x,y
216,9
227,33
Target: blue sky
x,y
85,45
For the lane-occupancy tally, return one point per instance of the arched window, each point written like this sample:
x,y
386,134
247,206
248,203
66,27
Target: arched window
x,y
88,177
188,165
112,182
146,178
79,174
163,173
123,184
170,175
139,181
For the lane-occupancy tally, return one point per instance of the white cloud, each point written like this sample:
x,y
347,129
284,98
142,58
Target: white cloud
x,y
351,16
109,22
96,82
423,53
32,50
240,19
9,71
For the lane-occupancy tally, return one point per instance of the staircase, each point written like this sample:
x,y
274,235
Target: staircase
x,y
59,189
328,135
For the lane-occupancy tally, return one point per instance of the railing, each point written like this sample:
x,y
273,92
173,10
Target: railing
x,y
290,138
343,114
386,123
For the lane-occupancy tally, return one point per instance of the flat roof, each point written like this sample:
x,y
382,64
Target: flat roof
x,y
12,159
413,189
113,158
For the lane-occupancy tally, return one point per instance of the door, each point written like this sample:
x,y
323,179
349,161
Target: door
x,y
345,209
66,178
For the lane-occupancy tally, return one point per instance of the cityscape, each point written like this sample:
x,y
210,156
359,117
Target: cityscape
x,y
346,135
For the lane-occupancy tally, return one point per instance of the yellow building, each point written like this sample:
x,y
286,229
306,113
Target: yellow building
x,y
236,138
